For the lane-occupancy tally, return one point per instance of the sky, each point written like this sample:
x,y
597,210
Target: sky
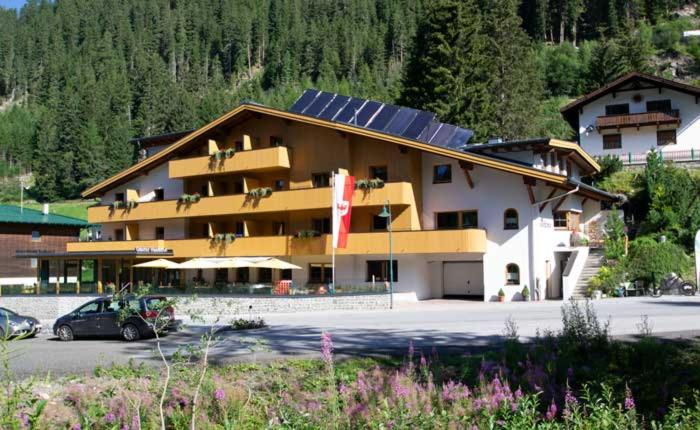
x,y
8,4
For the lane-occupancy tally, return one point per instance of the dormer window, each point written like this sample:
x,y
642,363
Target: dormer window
x,y
619,109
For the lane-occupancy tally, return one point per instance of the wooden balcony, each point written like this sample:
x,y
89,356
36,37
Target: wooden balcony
x,y
259,160
398,193
377,243
637,120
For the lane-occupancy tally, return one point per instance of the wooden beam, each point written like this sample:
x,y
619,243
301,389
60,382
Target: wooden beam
x,y
531,194
559,203
469,178
529,181
466,165
583,202
551,194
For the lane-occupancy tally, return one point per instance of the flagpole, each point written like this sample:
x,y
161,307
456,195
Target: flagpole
x,y
333,209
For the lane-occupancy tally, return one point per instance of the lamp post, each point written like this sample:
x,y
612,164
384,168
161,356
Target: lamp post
x,y
386,213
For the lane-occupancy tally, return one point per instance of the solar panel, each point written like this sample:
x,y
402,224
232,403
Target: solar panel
x,y
367,112
334,107
429,131
401,121
459,139
383,117
418,124
304,100
319,104
443,135
348,113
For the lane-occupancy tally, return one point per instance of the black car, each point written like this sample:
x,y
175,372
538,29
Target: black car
x,y
14,325
101,318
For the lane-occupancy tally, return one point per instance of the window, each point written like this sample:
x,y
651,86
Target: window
x,y
36,236
621,109
204,190
119,234
276,141
160,233
119,197
378,270
455,220
265,275
320,273
286,274
470,219
205,230
321,225
666,137
238,187
379,223
90,308
221,276
33,262
560,219
238,146
659,106
612,141
510,219
278,228
320,180
243,275
442,174
379,172
512,274
279,184
240,228
159,195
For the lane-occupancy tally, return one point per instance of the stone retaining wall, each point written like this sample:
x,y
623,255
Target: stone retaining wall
x,y
208,307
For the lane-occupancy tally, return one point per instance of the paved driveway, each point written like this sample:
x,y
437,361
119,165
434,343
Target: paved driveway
x,y
453,325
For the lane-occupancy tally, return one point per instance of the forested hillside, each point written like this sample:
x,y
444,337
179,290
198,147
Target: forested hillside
x,y
79,78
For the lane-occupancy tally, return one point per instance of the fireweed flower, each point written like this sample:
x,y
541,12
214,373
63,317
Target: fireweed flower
x,y
219,394
76,427
110,418
629,400
327,347
551,411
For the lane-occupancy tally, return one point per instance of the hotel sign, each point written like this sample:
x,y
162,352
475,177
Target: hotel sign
x,y
152,251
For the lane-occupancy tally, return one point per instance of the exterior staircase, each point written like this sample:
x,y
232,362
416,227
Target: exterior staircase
x,y
590,269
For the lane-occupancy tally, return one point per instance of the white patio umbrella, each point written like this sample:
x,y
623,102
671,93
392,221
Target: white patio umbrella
x,y
275,263
198,263
234,263
160,263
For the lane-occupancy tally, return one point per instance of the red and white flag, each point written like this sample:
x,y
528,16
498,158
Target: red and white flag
x,y
343,188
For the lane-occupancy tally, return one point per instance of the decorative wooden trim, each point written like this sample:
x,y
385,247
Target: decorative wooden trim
x,y
469,178
551,194
531,194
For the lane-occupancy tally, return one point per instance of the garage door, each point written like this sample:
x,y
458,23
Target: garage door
x,y
463,278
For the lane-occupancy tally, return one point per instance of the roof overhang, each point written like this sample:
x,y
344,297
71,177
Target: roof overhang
x,y
247,110
93,254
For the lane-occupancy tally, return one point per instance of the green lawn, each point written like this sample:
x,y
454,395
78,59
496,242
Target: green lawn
x,y
72,208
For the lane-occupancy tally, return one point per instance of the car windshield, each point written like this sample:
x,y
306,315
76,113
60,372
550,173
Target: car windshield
x,y
6,312
154,303
90,308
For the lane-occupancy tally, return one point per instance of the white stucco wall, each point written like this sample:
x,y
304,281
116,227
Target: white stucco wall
x,y
639,141
147,184
174,229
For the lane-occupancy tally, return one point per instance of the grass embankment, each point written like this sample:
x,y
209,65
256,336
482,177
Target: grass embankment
x,y
575,379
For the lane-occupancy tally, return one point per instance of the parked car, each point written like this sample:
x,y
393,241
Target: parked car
x,y
13,325
101,318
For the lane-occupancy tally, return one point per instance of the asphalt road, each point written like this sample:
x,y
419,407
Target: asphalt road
x,y
447,325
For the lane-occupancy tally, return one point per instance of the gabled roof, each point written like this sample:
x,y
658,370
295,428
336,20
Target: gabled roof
x,y
570,111
248,110
16,215
583,159
161,139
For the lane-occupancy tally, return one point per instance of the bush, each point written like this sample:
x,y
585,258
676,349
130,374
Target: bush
x,y
614,236
651,261
666,37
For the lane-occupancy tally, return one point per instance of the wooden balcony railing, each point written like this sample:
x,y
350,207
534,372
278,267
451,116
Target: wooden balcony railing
x,y
638,119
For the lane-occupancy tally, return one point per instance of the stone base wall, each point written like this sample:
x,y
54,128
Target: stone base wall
x,y
208,307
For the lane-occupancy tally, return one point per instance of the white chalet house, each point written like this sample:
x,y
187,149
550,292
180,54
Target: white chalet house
x,y
635,114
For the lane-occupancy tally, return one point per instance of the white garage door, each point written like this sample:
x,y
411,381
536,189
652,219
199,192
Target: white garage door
x,y
463,278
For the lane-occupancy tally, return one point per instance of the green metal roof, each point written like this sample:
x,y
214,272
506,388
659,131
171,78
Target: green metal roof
x,y
13,214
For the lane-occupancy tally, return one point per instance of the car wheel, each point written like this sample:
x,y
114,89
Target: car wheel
x,y
65,333
130,333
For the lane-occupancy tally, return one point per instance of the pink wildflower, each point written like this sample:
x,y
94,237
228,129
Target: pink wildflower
x,y
76,427
629,400
327,347
219,394
110,418
551,411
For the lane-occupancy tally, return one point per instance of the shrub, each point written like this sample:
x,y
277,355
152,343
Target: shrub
x,y
614,236
651,261
247,324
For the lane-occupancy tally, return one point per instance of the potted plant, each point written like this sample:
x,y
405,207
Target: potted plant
x,y
218,237
195,197
230,237
501,295
362,184
525,293
131,204
254,193
118,204
376,183
230,152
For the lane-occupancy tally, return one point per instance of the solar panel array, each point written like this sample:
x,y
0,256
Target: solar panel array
x,y
386,118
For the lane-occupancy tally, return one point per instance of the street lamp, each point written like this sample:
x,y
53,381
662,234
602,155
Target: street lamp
x,y
386,213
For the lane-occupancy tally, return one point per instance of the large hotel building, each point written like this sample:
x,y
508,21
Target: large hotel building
x,y
467,219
